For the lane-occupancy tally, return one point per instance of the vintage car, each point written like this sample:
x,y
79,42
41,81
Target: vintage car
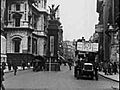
x,y
85,70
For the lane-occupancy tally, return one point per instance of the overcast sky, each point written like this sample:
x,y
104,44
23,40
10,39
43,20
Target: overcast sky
x,y
78,17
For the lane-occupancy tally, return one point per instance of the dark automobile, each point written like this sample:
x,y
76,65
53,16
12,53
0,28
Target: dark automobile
x,y
86,70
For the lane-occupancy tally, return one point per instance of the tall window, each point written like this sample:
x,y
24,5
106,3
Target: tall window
x,y
25,10
34,46
9,7
17,22
17,7
29,44
25,6
17,42
9,17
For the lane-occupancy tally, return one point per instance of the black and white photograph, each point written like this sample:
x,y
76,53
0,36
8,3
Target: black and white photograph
x,y
60,44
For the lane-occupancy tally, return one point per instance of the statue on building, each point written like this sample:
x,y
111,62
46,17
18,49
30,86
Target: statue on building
x,y
53,11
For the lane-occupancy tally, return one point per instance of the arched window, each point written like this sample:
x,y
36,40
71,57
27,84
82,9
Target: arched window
x,y
17,42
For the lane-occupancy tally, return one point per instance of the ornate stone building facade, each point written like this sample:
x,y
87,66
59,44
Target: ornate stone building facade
x,y
3,38
26,29
108,11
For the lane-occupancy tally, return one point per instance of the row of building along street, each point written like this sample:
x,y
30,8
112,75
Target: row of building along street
x,y
26,30
30,31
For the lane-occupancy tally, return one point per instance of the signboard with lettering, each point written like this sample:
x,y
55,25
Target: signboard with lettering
x,y
87,46
94,47
51,45
80,46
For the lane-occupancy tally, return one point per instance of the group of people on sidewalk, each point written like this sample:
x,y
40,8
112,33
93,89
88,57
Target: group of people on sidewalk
x,y
13,66
109,68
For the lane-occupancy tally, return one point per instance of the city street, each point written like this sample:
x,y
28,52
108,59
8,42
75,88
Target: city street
x,y
63,80
37,36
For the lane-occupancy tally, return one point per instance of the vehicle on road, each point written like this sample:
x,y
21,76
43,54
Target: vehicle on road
x,y
86,70
85,63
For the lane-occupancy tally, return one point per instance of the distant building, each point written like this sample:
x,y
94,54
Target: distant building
x,y
68,49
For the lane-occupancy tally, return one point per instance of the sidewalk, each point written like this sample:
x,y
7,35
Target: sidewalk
x,y
111,77
19,68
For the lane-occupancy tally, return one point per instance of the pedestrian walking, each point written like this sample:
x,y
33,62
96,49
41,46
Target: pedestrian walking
x,y
23,64
45,60
70,63
2,77
9,65
96,65
34,65
37,66
43,64
28,65
115,68
110,66
106,68
3,65
100,66
15,67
